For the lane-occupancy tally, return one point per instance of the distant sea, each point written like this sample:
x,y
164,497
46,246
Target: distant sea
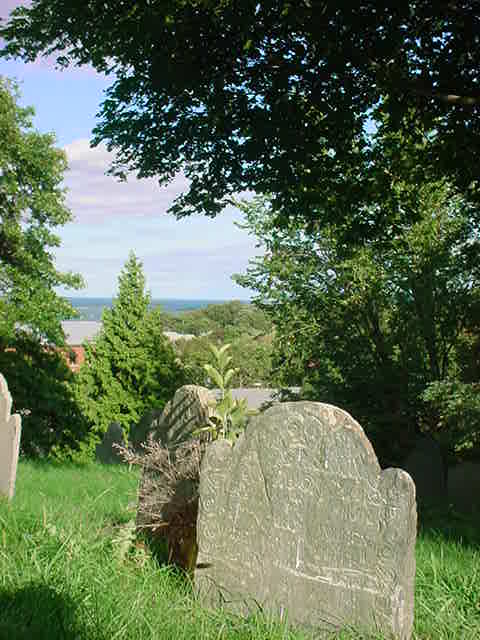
x,y
91,308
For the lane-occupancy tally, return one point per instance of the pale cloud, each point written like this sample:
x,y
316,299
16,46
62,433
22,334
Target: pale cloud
x,y
93,195
7,6
195,273
191,258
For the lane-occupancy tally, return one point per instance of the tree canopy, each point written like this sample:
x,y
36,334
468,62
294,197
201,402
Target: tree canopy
x,y
273,96
32,206
386,328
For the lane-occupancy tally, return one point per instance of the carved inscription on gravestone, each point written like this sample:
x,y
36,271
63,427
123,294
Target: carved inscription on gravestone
x,y
298,518
10,430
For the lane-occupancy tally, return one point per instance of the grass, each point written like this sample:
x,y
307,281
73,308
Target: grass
x,y
72,569
447,597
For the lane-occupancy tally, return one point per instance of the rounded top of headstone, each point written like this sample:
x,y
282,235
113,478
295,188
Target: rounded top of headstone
x,y
5,399
189,410
202,393
314,421
3,383
114,432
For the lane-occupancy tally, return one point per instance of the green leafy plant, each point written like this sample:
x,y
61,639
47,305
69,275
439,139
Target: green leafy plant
x,y
40,383
230,415
456,405
369,326
32,209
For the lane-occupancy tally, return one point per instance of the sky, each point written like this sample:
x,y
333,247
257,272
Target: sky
x,y
191,258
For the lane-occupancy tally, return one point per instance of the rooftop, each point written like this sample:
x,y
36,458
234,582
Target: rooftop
x,y
77,331
256,397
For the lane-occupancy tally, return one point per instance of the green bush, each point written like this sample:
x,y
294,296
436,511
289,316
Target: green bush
x,y
39,382
456,406
130,368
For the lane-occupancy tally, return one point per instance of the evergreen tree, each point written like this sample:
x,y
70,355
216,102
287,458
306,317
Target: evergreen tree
x,y
130,367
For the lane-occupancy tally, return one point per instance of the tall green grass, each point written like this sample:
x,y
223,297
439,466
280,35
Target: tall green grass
x,y
72,569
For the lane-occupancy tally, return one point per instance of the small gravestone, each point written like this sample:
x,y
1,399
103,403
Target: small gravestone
x,y
426,467
190,409
106,452
10,430
298,519
464,487
147,425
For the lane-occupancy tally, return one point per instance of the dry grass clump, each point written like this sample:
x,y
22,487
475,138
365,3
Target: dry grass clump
x,y
168,496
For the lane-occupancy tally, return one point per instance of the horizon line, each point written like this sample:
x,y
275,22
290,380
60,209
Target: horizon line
x,y
111,297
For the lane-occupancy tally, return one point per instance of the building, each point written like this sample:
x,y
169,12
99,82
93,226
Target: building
x,y
76,333
79,331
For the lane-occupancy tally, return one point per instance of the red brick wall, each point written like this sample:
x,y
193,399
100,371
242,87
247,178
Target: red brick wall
x,y
73,363
79,352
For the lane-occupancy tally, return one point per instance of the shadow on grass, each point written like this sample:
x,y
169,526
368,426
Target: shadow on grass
x,y
37,611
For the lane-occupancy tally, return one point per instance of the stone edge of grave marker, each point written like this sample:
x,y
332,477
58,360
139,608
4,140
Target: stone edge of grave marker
x,y
10,432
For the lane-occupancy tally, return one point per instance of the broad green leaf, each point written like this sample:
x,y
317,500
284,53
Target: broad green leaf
x,y
229,375
214,375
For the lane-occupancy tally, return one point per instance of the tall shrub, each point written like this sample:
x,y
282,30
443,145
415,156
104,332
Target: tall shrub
x,y
130,367
371,327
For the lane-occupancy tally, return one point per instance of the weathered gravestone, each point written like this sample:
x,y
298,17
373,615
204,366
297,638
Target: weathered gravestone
x,y
10,430
426,467
140,432
299,519
106,452
188,411
464,487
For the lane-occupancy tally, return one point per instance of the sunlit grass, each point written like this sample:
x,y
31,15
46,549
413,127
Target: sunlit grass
x,y
71,568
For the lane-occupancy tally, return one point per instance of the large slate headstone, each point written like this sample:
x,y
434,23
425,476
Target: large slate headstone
x,y
426,467
299,519
10,430
106,452
464,487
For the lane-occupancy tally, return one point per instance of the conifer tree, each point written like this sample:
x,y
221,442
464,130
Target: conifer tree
x,y
130,367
